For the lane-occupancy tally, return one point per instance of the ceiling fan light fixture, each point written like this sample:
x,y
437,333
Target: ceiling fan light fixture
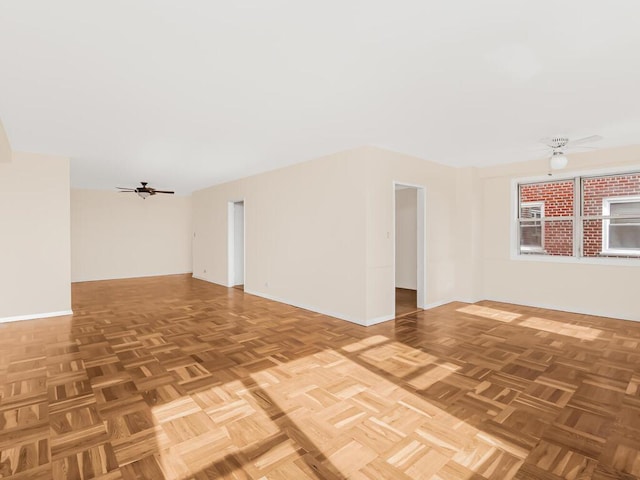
x,y
143,195
558,161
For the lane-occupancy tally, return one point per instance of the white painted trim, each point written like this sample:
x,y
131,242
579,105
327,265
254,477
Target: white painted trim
x,y
606,225
578,220
208,280
421,241
571,174
611,261
532,204
34,316
132,276
440,303
231,220
340,316
311,308
382,319
231,243
463,300
564,308
514,214
422,247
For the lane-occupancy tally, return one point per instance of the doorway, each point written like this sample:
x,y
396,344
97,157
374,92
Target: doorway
x,y
409,249
235,259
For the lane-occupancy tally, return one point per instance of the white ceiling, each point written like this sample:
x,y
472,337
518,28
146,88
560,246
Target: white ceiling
x,y
186,94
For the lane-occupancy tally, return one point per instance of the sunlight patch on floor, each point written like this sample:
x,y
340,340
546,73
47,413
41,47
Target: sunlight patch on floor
x,y
490,313
208,427
362,423
561,328
438,372
399,359
365,343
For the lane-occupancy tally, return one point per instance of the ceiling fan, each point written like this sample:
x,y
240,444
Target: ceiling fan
x,y
143,191
560,144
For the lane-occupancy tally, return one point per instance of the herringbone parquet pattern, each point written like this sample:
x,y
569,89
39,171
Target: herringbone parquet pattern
x,y
174,378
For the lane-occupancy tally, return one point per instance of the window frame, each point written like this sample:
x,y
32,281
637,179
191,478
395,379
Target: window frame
x,y
606,223
576,177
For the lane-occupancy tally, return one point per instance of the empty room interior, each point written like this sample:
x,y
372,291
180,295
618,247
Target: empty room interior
x,y
285,240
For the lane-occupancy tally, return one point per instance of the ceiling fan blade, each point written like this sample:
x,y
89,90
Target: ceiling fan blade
x,y
143,191
580,141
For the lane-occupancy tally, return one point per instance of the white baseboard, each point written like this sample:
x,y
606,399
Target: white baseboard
x,y
311,308
208,280
570,309
469,300
384,318
128,277
34,316
341,316
439,303
338,315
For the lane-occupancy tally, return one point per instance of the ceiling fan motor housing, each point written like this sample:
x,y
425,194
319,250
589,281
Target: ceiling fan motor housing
x,y
558,142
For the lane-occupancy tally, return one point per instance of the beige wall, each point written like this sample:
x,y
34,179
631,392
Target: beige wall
x,y
608,290
406,238
467,241
34,236
320,234
383,168
304,234
118,235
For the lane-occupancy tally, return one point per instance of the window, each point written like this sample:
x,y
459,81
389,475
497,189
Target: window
x,y
531,228
621,229
546,218
591,216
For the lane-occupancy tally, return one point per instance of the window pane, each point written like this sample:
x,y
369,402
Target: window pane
x,y
625,236
597,189
558,237
557,198
547,237
531,235
610,196
531,232
623,208
617,241
592,238
531,210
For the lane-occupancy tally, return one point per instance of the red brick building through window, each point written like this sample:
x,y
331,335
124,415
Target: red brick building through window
x,y
607,212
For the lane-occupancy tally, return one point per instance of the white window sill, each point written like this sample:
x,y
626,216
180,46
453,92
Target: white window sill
x,y
610,253
605,260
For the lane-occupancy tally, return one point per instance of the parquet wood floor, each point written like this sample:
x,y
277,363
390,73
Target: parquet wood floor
x,y
174,378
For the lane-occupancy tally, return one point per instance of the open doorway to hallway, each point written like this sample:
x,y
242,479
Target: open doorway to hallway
x,y
409,213
236,245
